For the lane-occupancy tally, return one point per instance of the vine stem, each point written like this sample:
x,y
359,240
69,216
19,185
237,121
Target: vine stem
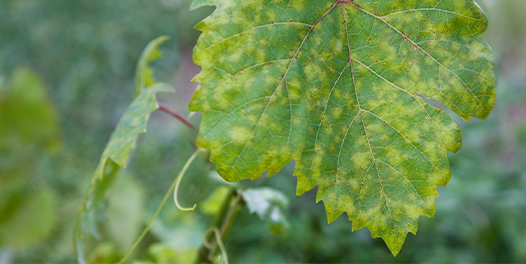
x,y
161,205
178,116
226,223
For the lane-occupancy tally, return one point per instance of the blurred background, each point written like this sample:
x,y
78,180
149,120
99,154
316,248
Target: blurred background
x,y
66,77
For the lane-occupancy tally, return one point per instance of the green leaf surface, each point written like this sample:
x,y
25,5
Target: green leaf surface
x,y
337,86
132,123
114,157
144,73
268,204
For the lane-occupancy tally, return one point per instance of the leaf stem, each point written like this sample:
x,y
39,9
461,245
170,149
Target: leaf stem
x,y
176,115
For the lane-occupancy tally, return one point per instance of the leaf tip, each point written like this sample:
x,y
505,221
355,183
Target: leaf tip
x,y
331,218
395,242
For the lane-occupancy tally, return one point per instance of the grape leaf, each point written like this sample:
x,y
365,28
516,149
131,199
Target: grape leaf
x,y
115,156
132,123
337,86
122,141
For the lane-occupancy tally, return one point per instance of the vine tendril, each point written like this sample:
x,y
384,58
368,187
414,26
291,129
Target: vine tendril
x,y
173,187
178,182
219,243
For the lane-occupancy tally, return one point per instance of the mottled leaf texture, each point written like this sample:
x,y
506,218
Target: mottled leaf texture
x,y
337,87
114,157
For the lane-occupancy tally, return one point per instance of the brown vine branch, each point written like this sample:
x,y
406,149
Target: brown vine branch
x,y
176,115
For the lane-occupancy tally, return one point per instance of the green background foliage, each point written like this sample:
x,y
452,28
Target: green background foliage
x,y
85,53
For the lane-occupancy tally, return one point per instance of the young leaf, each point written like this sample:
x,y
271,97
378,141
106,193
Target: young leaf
x,y
268,204
114,157
336,85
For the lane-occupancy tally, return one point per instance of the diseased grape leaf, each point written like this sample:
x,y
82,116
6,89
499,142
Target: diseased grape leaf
x,y
337,87
118,149
114,157
132,123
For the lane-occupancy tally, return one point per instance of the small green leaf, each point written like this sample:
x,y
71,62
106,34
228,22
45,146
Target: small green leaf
x,y
337,86
143,72
268,204
114,157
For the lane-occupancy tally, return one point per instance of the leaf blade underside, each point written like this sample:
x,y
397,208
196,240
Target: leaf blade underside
x,y
336,86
